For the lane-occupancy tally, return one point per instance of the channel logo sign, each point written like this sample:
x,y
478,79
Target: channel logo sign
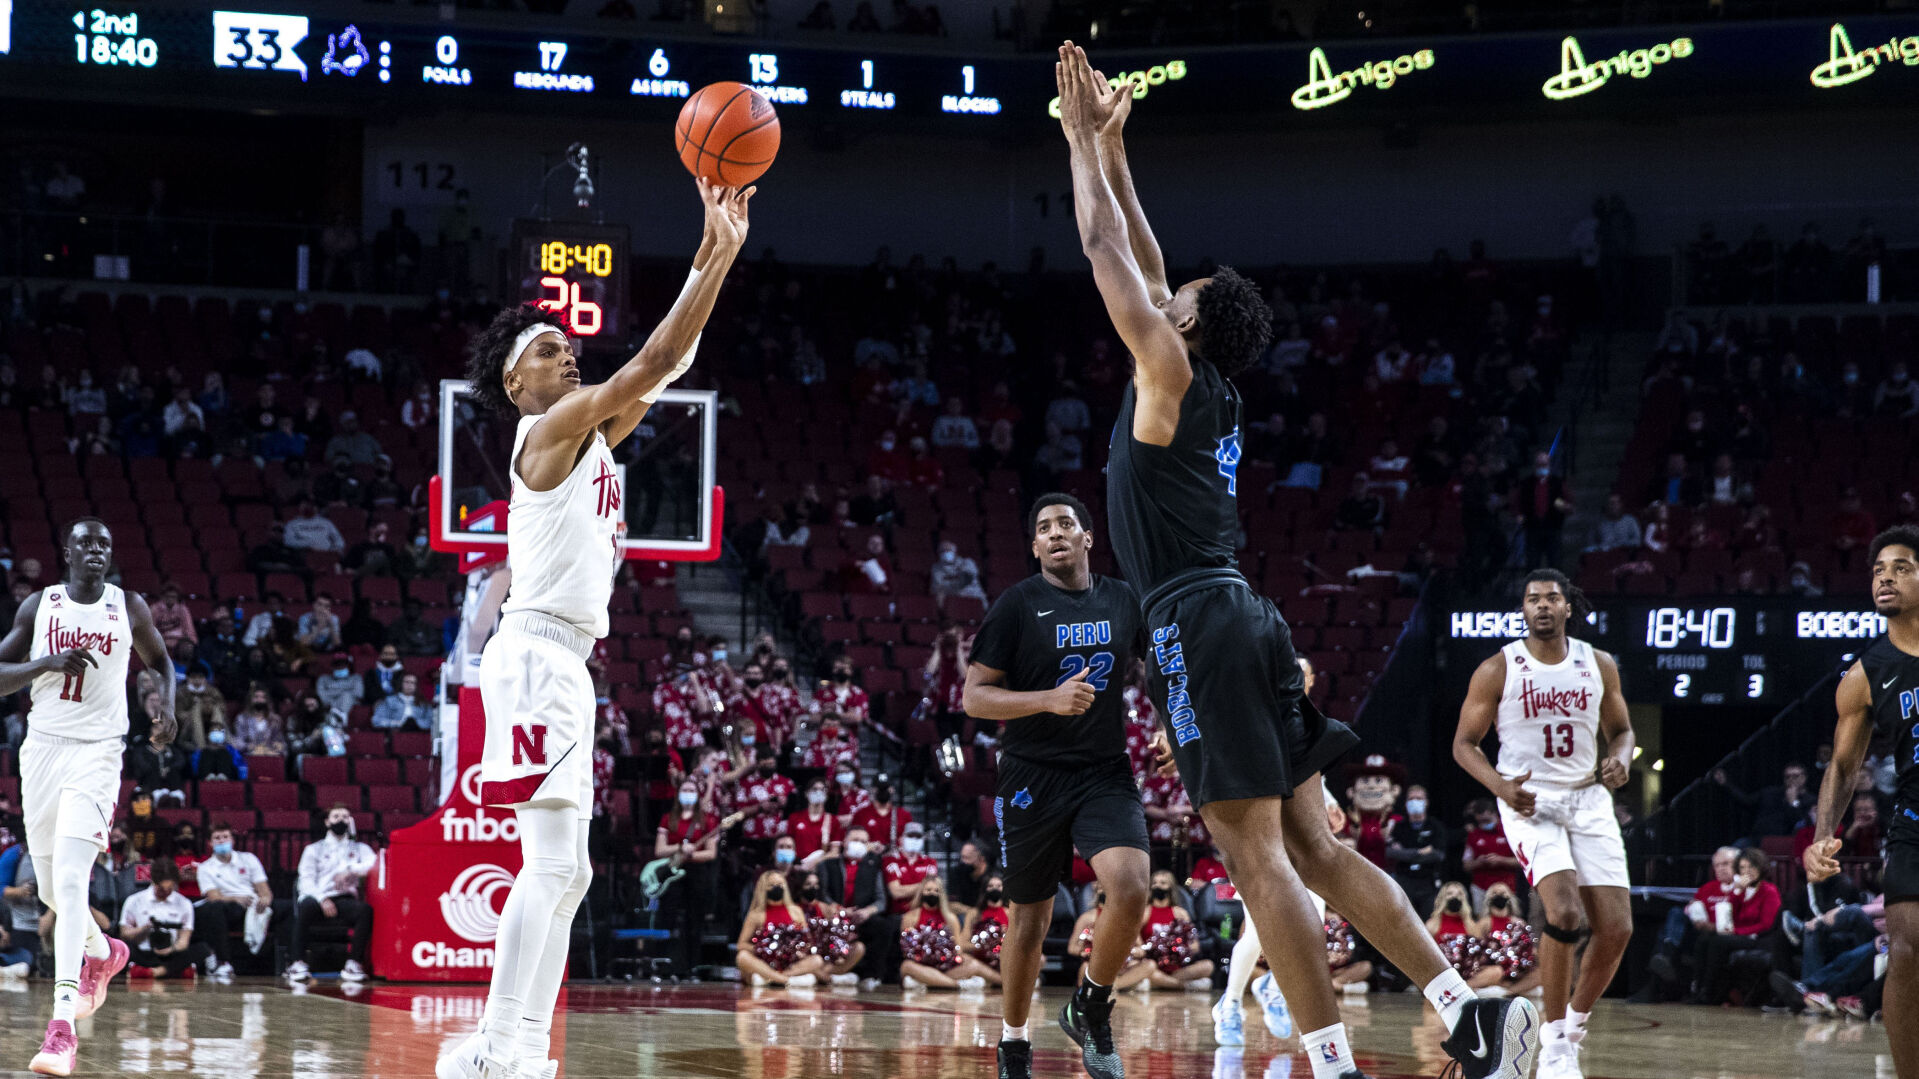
x,y
1577,77
1844,65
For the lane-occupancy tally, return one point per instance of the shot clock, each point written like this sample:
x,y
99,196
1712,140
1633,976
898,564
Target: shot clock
x,y
577,271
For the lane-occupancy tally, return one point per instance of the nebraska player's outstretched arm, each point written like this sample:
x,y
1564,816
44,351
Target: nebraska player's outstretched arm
x,y
553,446
17,672
1476,718
152,649
1616,738
1161,368
622,425
1849,741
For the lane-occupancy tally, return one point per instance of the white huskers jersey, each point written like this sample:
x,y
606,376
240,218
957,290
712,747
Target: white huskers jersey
x,y
565,545
1549,716
90,706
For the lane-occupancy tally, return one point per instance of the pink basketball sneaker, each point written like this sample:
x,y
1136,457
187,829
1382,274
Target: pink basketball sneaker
x,y
56,1053
96,975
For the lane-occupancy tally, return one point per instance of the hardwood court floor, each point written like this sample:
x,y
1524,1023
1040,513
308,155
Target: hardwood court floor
x,y
262,1029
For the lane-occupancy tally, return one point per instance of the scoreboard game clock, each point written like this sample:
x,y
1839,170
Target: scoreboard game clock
x,y
577,271
1735,650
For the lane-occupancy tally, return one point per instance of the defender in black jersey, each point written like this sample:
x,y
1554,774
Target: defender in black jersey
x,y
1049,661
1879,695
1223,671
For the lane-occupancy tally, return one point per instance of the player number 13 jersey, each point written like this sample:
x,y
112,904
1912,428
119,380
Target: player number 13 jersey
x,y
1549,715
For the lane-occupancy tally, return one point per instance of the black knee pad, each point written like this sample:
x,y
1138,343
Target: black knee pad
x,y
1565,936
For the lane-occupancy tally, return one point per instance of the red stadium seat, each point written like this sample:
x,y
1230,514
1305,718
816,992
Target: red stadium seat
x,y
272,796
323,770
352,795
392,798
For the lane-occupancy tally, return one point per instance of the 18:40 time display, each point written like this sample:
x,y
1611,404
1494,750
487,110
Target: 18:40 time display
x,y
1672,627
557,257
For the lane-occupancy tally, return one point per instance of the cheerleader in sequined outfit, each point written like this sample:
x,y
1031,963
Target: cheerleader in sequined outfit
x,y
835,937
1169,942
1512,956
1461,934
1136,970
929,940
775,946
985,928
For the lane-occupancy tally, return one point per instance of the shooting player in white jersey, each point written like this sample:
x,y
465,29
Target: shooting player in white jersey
x,y
1565,743
74,638
565,540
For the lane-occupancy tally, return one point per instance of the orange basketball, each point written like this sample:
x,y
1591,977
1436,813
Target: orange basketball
x,y
727,133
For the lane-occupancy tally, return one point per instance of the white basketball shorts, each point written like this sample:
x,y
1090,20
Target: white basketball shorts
x,y
1569,830
539,715
68,789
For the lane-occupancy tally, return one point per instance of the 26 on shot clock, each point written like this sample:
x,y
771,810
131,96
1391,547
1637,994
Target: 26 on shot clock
x,y
577,271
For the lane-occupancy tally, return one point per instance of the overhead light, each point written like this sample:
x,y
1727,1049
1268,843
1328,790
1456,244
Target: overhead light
x,y
1659,765
1636,751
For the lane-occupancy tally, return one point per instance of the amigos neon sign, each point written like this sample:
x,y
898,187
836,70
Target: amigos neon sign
x,y
1845,66
1324,88
1577,77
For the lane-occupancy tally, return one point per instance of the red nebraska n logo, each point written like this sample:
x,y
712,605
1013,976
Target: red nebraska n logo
x,y
529,744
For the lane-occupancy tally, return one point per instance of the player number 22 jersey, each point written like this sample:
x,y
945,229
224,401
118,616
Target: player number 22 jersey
x,y
1549,715
90,706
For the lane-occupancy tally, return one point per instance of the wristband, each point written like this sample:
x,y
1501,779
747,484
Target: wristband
x,y
653,395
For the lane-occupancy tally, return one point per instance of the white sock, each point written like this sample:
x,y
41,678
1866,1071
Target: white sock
x,y
1576,1025
1019,1033
63,878
1448,994
544,992
1327,1049
1555,1031
1246,953
552,847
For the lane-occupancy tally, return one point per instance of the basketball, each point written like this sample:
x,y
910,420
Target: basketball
x,y
727,132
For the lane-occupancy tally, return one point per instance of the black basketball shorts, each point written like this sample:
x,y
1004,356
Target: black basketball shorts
x,y
1223,673
1901,881
1043,812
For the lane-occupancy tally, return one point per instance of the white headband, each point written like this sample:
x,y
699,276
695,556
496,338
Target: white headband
x,y
527,337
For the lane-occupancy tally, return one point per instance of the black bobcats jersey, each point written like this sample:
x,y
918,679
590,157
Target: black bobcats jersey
x,y
1175,508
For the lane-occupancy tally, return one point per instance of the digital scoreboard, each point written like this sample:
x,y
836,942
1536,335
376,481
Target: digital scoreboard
x,y
578,272
1735,650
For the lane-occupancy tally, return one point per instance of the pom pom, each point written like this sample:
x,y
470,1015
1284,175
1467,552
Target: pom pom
x,y
1514,948
1465,952
1172,945
929,944
1340,942
987,940
781,946
833,938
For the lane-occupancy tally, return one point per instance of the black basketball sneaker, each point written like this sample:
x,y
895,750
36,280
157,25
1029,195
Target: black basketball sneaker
x,y
1015,1060
1495,1039
1090,1024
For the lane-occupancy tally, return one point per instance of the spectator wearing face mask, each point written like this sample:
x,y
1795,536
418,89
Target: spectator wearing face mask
x,y
815,833
258,730
690,836
331,871
846,797
763,794
198,707
906,867
887,823
339,688
218,760
157,926
384,676
1416,849
683,704
831,747
231,883
838,695
779,698
159,769
855,880
955,575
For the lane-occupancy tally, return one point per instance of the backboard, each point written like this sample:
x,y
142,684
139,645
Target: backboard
x,y
672,507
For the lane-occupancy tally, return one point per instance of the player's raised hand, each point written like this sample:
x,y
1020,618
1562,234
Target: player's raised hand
x,y
73,662
1821,860
1077,97
1163,762
726,216
1071,697
1111,104
1613,774
1516,795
